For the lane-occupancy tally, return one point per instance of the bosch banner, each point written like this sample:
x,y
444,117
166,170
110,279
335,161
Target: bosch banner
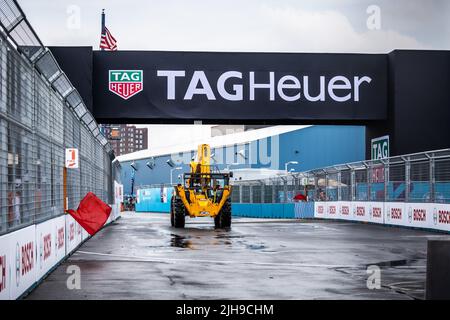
x,y
151,86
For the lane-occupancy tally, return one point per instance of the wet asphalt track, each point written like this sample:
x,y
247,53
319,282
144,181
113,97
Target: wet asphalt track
x,y
142,257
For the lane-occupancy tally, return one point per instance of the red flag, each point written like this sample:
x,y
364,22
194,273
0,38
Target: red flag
x,y
91,214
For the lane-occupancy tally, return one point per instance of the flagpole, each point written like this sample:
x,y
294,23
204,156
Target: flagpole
x,y
103,24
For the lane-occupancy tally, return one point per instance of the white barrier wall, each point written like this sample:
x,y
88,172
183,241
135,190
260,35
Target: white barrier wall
x,y
46,243
345,211
4,267
441,216
73,234
28,254
419,215
320,209
22,262
361,211
376,212
60,244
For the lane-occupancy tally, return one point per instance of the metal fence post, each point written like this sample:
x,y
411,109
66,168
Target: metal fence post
x,y
386,181
432,179
368,180
353,186
262,192
316,185
407,179
339,186
240,193
273,194
250,190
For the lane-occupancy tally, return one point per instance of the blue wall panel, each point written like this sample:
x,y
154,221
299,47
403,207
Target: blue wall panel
x,y
154,200
264,210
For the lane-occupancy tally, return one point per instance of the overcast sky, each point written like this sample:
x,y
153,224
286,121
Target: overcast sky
x,y
246,25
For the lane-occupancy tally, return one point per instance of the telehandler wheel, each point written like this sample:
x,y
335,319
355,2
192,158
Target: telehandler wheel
x,y
217,221
223,219
179,214
172,211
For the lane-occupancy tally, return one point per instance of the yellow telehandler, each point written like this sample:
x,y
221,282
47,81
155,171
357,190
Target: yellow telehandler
x,y
204,192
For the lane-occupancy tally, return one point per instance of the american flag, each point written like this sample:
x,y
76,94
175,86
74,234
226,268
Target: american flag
x,y
107,41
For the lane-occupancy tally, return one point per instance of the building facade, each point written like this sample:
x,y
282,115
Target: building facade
x,y
126,138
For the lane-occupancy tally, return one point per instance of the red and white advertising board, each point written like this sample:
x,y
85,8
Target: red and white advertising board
x,y
320,209
46,239
376,212
5,274
332,210
361,211
420,215
118,192
441,216
345,210
22,246
59,225
395,213
73,234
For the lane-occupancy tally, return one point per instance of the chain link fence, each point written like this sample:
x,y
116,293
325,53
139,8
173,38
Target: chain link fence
x,y
421,177
42,114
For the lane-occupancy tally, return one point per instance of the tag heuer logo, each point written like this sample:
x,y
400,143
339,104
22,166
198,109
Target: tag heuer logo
x,y
126,83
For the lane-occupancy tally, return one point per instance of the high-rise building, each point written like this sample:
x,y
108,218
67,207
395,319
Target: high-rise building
x,y
126,138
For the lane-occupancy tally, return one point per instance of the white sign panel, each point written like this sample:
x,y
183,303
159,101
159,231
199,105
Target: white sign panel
x,y
332,210
73,235
420,215
441,216
5,258
361,211
46,239
22,247
118,192
59,225
72,160
345,210
320,209
376,212
396,213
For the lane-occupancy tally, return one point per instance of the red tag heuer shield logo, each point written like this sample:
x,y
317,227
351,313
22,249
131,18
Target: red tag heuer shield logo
x,y
126,83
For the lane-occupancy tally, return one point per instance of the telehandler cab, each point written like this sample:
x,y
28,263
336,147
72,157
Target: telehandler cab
x,y
204,192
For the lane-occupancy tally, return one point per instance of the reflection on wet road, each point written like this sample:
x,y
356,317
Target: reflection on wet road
x,y
142,257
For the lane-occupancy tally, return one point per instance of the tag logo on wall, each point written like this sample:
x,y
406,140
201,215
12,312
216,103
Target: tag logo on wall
x,y
126,83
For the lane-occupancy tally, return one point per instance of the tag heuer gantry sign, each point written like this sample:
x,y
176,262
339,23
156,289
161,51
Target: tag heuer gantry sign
x,y
380,148
187,86
125,83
